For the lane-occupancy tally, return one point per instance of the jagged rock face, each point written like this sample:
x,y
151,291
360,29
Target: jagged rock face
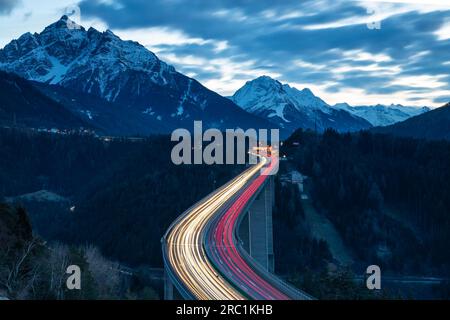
x,y
121,72
291,108
91,61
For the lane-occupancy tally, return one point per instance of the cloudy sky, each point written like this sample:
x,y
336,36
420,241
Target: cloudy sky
x,y
360,52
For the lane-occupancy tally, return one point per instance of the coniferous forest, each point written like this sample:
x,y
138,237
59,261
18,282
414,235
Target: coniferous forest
x,y
120,195
387,197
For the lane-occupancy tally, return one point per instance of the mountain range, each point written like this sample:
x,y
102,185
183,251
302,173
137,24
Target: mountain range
x,y
128,78
433,125
381,115
290,108
94,79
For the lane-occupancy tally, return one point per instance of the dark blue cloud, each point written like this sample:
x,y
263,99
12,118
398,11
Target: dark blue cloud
x,y
276,37
6,6
442,100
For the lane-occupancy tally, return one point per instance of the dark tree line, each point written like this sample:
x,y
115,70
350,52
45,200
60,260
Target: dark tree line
x,y
124,193
389,197
30,268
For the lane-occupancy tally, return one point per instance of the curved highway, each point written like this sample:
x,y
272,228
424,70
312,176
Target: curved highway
x,y
203,256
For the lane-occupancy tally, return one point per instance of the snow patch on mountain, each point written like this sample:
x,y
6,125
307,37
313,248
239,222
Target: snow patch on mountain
x,y
88,113
57,71
186,94
148,111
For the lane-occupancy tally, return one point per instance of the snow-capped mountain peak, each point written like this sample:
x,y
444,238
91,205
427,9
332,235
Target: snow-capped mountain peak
x,y
290,107
65,52
307,92
70,61
65,24
265,81
267,95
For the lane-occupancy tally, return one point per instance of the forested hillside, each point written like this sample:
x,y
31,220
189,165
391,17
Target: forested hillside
x,y
388,197
120,195
23,105
30,268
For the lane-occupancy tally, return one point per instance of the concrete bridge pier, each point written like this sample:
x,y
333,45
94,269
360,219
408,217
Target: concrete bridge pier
x,y
168,287
256,231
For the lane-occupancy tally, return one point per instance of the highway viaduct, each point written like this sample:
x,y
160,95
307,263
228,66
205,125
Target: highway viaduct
x,y
255,233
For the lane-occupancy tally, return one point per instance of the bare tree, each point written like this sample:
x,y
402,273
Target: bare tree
x,y
15,273
105,273
58,262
